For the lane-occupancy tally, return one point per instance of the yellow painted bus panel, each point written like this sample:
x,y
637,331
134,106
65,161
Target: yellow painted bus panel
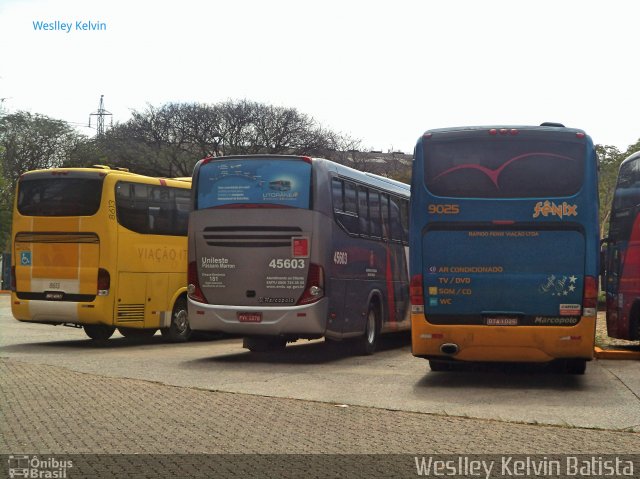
x,y
157,299
131,298
504,343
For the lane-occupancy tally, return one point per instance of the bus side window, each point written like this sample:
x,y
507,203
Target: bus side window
x,y
153,210
404,220
350,202
384,209
374,211
345,205
350,217
397,234
183,206
154,218
363,210
337,195
130,199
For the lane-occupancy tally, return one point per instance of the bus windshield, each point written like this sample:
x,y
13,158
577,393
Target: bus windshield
x,y
255,181
627,193
517,168
59,196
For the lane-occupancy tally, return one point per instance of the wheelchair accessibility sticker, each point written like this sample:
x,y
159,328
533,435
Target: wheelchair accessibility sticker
x,y
25,258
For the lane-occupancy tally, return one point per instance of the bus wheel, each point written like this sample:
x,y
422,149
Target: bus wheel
x,y
99,332
575,366
179,331
366,344
136,333
263,344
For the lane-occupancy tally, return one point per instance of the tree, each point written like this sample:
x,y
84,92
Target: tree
x,y
169,140
29,142
5,210
32,141
610,158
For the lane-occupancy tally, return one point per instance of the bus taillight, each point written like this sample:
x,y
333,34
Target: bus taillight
x,y
193,288
314,290
13,279
300,247
590,298
416,294
104,282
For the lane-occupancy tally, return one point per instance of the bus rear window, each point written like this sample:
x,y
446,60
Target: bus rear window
x,y
59,196
254,181
500,168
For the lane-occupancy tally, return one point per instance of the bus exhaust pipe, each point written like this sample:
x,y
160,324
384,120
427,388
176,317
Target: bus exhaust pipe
x,y
449,349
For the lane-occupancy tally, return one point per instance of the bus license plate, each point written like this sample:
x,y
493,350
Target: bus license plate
x,y
54,295
502,321
250,317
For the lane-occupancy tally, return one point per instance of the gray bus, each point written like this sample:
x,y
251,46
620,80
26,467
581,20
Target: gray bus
x,y
325,255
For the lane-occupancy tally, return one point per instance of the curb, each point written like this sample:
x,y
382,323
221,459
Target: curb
x,y
615,353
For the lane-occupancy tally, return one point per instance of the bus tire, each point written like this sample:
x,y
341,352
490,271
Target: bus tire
x,y
575,366
179,331
99,332
439,365
367,343
136,333
264,344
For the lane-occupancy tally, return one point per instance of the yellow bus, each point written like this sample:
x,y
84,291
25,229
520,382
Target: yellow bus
x,y
101,249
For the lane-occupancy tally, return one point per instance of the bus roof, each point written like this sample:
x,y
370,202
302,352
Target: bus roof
x,y
550,127
633,156
381,182
105,170
368,178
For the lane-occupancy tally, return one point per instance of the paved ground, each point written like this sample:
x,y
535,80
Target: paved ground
x,y
61,397
51,410
606,397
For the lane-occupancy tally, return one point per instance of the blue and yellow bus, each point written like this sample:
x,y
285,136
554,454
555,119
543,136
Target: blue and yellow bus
x,y
291,247
504,245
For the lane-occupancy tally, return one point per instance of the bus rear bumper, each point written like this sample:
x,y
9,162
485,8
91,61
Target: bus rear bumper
x,y
58,312
503,343
308,320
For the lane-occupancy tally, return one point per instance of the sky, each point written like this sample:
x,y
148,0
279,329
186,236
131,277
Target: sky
x,y
379,71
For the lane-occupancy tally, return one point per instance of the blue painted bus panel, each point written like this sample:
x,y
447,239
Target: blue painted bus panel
x,y
496,271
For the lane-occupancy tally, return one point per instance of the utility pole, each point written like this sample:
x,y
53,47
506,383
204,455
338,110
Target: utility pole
x,y
101,113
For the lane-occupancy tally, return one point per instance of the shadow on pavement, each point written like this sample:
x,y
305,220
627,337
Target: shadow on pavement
x,y
314,352
522,376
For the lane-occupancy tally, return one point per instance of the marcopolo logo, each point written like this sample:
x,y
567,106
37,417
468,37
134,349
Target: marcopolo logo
x,y
38,467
